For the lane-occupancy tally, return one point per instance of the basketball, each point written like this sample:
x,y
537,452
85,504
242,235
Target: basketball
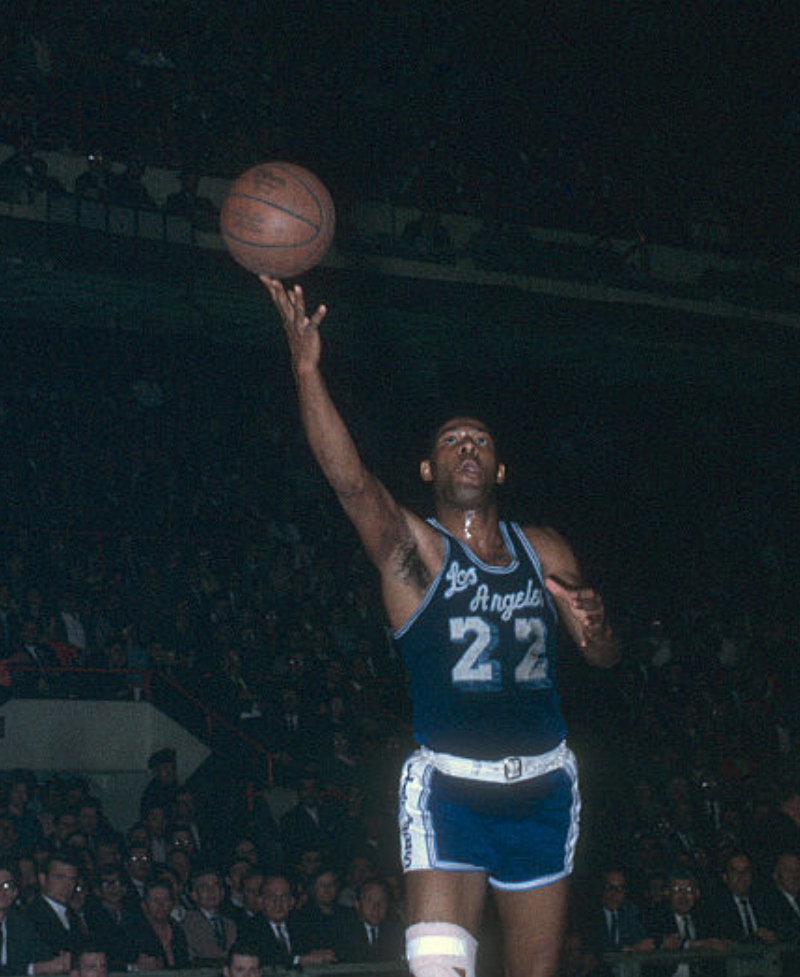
x,y
277,219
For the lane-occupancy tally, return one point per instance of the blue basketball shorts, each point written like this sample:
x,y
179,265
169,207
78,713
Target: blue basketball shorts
x,y
522,834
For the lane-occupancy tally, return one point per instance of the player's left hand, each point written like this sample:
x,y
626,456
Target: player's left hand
x,y
586,611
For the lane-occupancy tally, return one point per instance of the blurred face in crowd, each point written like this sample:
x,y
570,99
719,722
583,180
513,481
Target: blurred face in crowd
x,y
207,892
251,893
682,894
92,965
139,863
156,821
787,873
9,836
277,899
310,862
59,881
158,903
8,891
614,890
182,838
242,965
738,875
373,903
246,849
326,889
236,874
111,889
88,818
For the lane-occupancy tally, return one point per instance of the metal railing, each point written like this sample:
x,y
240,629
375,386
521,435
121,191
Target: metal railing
x,y
743,960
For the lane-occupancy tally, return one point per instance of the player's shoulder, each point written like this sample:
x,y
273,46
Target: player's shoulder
x,y
554,552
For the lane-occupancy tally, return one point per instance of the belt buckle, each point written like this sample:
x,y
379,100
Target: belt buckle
x,y
512,768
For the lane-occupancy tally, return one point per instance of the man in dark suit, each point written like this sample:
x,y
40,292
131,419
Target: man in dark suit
x,y
305,825
615,924
275,934
373,935
782,899
49,912
22,948
683,924
739,911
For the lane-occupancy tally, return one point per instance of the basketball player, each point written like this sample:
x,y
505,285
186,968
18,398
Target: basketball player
x,y
491,794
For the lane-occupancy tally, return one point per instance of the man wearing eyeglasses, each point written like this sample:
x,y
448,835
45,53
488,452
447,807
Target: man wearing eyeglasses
x,y
618,925
22,951
685,925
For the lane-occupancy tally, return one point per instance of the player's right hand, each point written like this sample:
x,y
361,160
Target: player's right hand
x,y
302,331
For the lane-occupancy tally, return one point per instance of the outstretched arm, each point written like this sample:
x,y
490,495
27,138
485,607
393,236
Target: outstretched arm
x,y
380,522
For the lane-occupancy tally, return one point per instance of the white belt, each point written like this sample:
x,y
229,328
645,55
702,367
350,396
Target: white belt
x,y
511,768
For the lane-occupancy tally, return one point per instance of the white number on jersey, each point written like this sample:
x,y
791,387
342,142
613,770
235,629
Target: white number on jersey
x,y
477,670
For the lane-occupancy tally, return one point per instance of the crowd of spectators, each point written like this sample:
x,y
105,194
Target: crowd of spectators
x,y
378,111
207,558
172,540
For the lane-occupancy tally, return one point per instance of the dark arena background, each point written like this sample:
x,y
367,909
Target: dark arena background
x,y
580,224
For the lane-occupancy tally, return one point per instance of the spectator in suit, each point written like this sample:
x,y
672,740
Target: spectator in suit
x,y
617,924
209,934
782,898
50,911
139,870
684,924
152,940
322,922
305,826
25,951
372,933
739,911
276,934
108,917
251,901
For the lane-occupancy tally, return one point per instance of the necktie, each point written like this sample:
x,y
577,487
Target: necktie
x,y
373,935
219,931
614,934
747,917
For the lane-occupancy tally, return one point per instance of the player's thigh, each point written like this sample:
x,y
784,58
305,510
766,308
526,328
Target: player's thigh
x,y
436,896
533,928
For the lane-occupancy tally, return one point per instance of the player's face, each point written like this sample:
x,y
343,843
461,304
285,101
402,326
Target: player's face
x,y
463,464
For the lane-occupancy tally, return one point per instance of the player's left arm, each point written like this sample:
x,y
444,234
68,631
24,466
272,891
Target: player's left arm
x,y
581,608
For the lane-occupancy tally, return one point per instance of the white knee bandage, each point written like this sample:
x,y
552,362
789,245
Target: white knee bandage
x,y
440,950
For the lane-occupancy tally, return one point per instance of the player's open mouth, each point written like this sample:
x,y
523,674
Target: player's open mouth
x,y
470,468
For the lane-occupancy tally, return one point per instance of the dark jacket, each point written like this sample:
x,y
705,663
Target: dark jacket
x,y
23,944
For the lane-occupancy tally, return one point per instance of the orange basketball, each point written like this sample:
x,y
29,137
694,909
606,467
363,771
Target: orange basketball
x,y
277,219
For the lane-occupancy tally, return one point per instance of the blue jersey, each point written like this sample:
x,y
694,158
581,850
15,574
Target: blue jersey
x,y
480,655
